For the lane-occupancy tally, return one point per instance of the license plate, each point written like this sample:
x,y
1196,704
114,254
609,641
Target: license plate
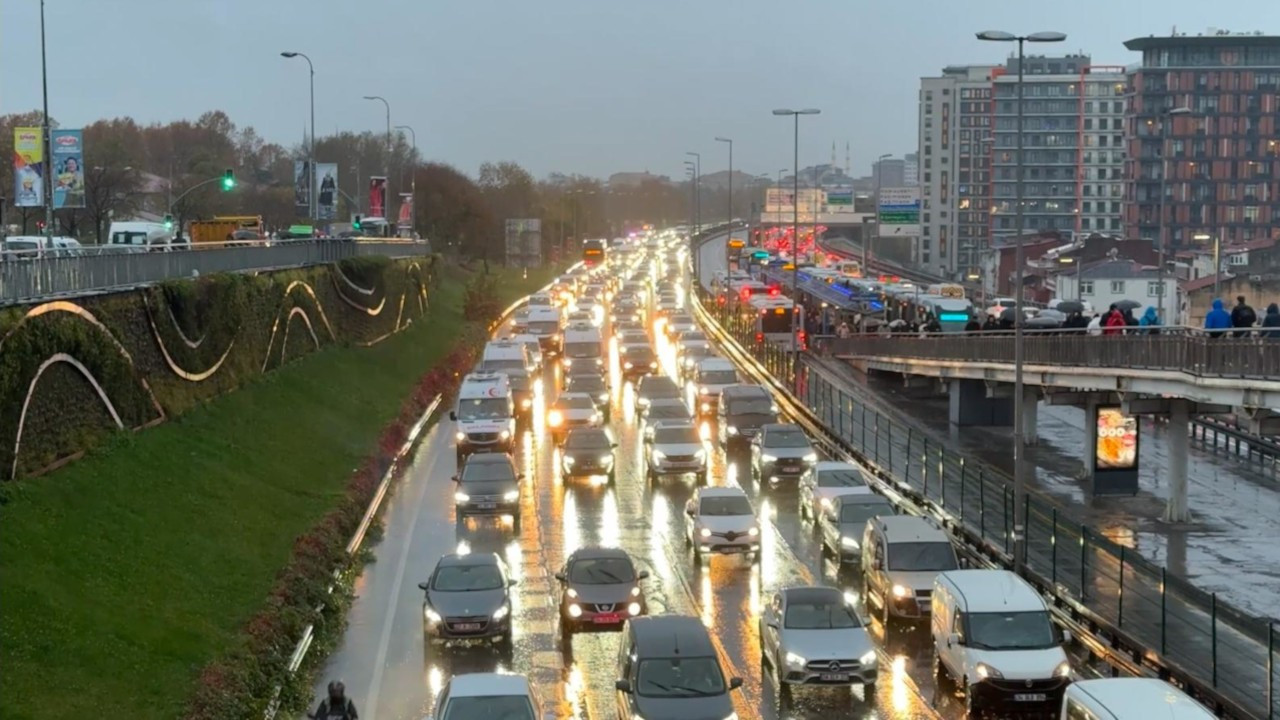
x,y
1030,697
464,627
606,618
834,677
733,549
486,506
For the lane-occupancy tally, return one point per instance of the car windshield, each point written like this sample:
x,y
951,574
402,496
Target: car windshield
x,y
859,513
493,707
692,337
847,477
679,677
791,438
921,556
586,383
639,352
659,390
750,406
1010,630
577,402
501,364
484,408
671,410
721,505
686,435
467,578
820,616
488,472
634,337
602,571
588,440
718,377
582,349
519,381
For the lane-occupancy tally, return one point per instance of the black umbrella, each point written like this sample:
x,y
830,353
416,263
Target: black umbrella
x,y
1041,322
1058,315
1008,314
1123,305
1070,306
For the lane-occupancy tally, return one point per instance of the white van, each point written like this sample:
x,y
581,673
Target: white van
x,y
485,414
902,556
545,324
503,355
1129,699
993,635
532,349
583,343
18,247
139,237
711,377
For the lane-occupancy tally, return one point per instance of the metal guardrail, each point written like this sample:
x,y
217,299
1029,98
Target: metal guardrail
x,y
30,279
1183,633
1190,352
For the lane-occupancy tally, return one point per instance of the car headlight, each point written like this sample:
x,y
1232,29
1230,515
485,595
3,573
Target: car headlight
x,y
701,454
635,591
704,390
628,365
568,460
461,497
795,660
766,457
575,610
731,716
753,531
659,455
504,435
572,593
431,615
568,362
526,403
825,502
985,671
595,418
634,608
653,364
501,613
460,436
900,591
848,542
705,532
1063,669
511,495
731,430
555,418
606,459
642,401
706,406
811,458
604,397
869,658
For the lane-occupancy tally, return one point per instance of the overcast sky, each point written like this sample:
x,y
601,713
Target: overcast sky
x,y
588,86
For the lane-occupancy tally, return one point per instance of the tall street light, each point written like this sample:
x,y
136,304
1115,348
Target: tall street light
x,y
866,242
697,191
1166,119
795,231
1019,447
46,140
730,217
413,177
386,104
311,150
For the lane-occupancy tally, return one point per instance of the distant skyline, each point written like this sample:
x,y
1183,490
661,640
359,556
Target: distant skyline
x,y
570,86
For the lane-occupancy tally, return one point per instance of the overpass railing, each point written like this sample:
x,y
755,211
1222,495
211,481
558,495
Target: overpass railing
x,y
30,279
1183,350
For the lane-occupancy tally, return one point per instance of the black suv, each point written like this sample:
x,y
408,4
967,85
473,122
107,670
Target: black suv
x,y
488,485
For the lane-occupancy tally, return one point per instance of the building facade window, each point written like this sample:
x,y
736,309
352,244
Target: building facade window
x,y
1117,287
1086,287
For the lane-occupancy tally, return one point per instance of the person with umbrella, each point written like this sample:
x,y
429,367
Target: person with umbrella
x,y
1114,322
990,325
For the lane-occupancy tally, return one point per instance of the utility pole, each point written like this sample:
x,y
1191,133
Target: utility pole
x,y
46,137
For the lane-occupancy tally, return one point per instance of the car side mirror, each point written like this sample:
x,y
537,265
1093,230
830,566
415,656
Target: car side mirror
x,y
773,624
735,683
622,685
688,511
642,575
561,577
453,416
954,639
512,582
613,445
422,586
455,478
1066,637
519,476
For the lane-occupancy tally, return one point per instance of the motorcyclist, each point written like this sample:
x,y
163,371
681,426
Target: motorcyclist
x,y
337,706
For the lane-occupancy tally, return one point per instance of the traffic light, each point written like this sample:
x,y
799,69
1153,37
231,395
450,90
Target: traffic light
x,y
168,222
355,223
228,180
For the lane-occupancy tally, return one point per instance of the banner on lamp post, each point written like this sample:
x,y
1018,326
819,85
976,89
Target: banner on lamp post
x,y
302,184
378,197
28,167
405,220
326,191
67,149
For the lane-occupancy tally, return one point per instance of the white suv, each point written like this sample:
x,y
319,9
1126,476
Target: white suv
x,y
476,695
721,520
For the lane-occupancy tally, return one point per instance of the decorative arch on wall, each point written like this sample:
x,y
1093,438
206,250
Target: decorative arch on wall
x,y
196,376
31,391
295,309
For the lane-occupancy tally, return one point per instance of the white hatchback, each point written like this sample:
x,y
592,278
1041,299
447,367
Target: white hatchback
x,y
720,520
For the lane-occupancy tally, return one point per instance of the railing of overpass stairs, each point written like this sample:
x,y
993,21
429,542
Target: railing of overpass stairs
x,y
1206,642
1178,349
27,279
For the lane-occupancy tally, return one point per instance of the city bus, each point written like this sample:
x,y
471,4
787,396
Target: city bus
x,y
947,290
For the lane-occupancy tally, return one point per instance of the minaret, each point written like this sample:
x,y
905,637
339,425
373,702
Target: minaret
x,y
848,169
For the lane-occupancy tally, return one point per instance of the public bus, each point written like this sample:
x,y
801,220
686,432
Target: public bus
x,y
947,290
593,252
772,318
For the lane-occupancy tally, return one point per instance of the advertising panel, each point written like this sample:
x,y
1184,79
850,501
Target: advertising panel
x,y
378,197
405,219
327,191
28,167
840,197
778,200
302,184
524,242
67,148
899,212
1117,444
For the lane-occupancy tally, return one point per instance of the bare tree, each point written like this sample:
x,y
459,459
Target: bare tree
x,y
110,190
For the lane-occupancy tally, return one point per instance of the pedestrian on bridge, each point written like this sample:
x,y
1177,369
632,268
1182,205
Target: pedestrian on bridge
x,y
1151,321
1218,319
1114,322
1095,325
843,330
973,325
990,325
1243,316
1272,321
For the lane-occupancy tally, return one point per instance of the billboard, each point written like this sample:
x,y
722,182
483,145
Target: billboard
x,y
302,184
67,149
524,242
1117,443
405,219
781,200
899,212
378,196
327,191
28,167
840,197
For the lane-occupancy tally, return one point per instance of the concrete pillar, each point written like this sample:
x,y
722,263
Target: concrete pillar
x,y
1030,405
1179,419
970,405
1090,439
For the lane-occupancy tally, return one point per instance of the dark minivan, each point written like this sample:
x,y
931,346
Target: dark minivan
x,y
743,410
668,670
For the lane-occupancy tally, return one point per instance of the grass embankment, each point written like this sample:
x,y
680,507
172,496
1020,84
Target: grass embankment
x,y
122,574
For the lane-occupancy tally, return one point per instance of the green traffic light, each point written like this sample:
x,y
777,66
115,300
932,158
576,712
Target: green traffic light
x,y
228,180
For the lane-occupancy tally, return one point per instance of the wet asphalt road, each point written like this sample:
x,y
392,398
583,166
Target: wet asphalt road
x,y
393,675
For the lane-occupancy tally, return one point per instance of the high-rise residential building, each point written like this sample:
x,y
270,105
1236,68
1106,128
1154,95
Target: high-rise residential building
x,y
1221,142
911,170
1073,145
890,172
954,168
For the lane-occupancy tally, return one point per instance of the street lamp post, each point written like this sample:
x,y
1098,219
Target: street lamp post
x,y
866,242
1019,440
386,202
413,177
311,150
1166,119
795,230
1217,259
730,218
46,139
697,191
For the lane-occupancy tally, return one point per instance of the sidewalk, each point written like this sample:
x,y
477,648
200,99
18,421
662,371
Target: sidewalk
x,y
1230,549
